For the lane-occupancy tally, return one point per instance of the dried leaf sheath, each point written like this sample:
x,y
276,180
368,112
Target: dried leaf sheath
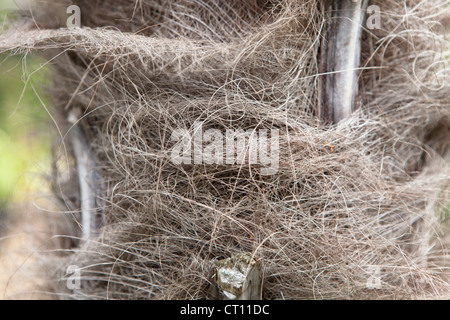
x,y
339,61
88,178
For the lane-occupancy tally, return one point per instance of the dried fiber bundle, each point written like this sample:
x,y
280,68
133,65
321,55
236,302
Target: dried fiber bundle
x,y
349,209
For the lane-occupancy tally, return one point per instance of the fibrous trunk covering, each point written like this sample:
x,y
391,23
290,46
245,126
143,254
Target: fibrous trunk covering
x,y
352,209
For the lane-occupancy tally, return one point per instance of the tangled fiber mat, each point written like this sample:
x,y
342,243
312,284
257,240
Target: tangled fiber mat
x,y
354,209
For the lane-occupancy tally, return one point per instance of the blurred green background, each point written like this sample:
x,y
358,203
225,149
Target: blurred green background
x,y
24,123
23,128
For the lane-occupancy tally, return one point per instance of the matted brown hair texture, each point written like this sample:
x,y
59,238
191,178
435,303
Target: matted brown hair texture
x,y
348,198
